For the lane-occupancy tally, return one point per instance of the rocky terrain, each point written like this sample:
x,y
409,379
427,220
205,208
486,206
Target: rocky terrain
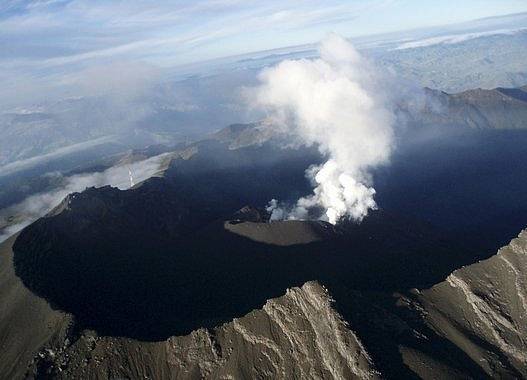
x,y
183,275
470,325
482,309
291,336
361,216
27,322
298,335
166,279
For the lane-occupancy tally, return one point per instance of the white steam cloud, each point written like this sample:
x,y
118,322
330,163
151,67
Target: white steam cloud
x,y
37,205
338,103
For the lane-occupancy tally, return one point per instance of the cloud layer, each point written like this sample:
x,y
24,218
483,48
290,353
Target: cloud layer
x,y
36,206
336,102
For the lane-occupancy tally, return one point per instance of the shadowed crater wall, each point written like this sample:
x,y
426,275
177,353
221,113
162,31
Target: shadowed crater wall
x,y
157,260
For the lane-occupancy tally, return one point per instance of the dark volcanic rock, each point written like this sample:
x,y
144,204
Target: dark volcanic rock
x,y
471,325
298,335
250,214
482,309
282,233
151,281
148,263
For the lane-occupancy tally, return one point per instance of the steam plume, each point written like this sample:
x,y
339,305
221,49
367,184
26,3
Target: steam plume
x,y
336,102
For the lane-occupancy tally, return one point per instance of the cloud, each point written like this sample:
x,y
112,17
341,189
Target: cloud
x,y
47,45
28,163
123,79
455,38
80,32
36,206
338,103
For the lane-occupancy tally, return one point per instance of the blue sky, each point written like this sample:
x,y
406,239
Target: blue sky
x,y
52,40
60,32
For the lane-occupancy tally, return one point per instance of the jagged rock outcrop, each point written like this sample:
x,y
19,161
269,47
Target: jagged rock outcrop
x,y
298,335
482,309
472,325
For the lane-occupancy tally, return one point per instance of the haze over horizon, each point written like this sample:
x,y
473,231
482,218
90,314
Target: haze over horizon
x,y
72,47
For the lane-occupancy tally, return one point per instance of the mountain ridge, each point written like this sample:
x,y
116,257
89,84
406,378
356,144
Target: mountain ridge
x,y
431,316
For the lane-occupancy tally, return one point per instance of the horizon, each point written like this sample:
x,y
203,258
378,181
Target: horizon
x,y
83,63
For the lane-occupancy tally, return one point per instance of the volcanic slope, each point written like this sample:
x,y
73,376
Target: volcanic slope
x,y
471,325
298,335
171,260
482,309
27,322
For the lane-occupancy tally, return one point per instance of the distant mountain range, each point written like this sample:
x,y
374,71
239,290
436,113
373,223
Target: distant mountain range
x,y
486,53
196,100
499,108
83,124
44,134
486,61
430,115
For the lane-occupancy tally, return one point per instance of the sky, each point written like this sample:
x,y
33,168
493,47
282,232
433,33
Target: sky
x,y
59,41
